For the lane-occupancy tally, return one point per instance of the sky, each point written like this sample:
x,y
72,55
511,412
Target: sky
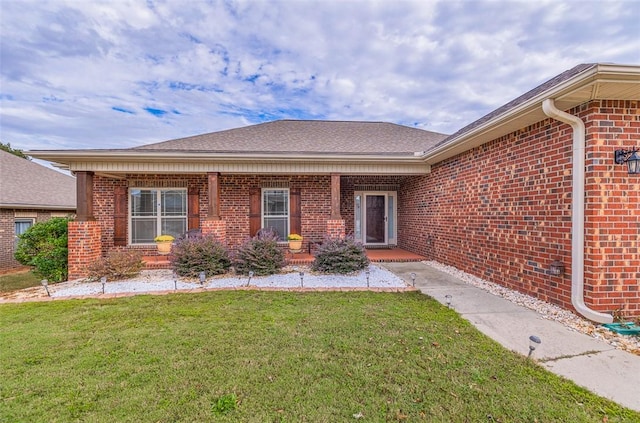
x,y
79,74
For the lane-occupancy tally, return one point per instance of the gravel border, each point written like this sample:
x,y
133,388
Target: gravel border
x,y
546,310
162,280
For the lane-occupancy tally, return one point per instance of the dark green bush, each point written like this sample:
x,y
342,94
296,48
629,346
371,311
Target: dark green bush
x,y
117,265
260,254
342,255
190,256
44,246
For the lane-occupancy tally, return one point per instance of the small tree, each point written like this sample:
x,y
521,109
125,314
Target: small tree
x,y
260,254
16,152
44,246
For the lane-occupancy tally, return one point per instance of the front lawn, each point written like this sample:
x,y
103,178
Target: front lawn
x,y
15,281
251,356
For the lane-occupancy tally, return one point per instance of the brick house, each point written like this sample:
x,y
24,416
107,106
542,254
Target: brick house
x,y
29,193
495,199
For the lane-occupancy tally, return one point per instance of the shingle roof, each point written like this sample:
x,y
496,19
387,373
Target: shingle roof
x,y
306,136
25,184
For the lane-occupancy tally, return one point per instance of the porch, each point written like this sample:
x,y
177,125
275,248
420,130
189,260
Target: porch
x,y
375,255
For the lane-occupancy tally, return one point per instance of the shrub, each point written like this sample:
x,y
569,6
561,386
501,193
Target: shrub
x,y
200,254
117,265
340,256
44,246
260,254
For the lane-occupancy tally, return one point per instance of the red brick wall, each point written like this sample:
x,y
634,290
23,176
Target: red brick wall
x,y
234,203
612,260
502,211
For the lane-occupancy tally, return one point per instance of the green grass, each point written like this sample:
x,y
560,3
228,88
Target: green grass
x,y
251,356
18,280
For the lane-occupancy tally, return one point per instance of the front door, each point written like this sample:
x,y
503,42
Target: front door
x,y
375,219
375,216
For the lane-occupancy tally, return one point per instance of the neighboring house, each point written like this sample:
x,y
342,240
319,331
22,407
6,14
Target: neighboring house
x,y
496,199
29,193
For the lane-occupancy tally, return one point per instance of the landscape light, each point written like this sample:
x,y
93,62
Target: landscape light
x,y
250,276
45,283
202,276
301,279
534,342
103,281
447,300
367,272
175,280
413,279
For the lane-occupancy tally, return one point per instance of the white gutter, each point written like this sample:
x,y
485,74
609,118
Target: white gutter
x,y
577,215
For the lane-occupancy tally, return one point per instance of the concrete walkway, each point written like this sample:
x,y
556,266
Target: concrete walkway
x,y
591,363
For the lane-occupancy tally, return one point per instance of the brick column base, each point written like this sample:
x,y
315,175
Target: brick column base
x,y
335,229
84,247
217,228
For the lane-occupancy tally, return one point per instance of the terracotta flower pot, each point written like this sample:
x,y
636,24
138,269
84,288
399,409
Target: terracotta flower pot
x,y
295,246
164,247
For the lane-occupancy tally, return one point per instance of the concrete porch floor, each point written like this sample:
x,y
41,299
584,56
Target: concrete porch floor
x,y
377,255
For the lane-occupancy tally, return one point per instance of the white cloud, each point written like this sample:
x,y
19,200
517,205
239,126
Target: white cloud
x,y
80,74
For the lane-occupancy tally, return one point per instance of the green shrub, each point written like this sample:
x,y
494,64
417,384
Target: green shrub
x,y
342,255
44,246
117,265
190,256
260,254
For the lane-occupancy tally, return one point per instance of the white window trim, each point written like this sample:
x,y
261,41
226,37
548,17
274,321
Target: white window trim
x,y
264,189
157,217
31,220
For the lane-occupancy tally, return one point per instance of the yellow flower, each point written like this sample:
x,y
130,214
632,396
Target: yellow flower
x,y
294,237
164,238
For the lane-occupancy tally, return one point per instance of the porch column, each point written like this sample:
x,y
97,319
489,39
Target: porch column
x,y
335,196
335,225
84,196
84,247
214,196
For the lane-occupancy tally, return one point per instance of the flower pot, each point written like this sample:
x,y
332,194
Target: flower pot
x,y
164,247
295,246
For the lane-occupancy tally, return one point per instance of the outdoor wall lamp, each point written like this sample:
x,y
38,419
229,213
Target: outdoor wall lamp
x,y
556,268
631,158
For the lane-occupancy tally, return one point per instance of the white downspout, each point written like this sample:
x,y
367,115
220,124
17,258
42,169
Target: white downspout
x,y
577,215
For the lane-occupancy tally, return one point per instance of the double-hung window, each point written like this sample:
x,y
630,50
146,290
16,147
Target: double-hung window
x,y
20,227
154,211
275,211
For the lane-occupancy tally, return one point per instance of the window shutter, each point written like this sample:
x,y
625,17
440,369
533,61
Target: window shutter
x,y
295,214
120,216
193,207
255,216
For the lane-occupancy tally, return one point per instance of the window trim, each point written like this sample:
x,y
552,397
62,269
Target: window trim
x,y
287,203
31,220
158,217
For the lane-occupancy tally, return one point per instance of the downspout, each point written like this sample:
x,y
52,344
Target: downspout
x,y
577,215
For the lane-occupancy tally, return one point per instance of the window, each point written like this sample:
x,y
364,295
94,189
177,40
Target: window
x,y
275,211
156,212
21,226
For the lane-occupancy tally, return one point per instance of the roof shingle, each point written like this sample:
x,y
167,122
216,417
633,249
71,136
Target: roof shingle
x,y
25,184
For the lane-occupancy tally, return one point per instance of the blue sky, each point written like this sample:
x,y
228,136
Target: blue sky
x,y
120,73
